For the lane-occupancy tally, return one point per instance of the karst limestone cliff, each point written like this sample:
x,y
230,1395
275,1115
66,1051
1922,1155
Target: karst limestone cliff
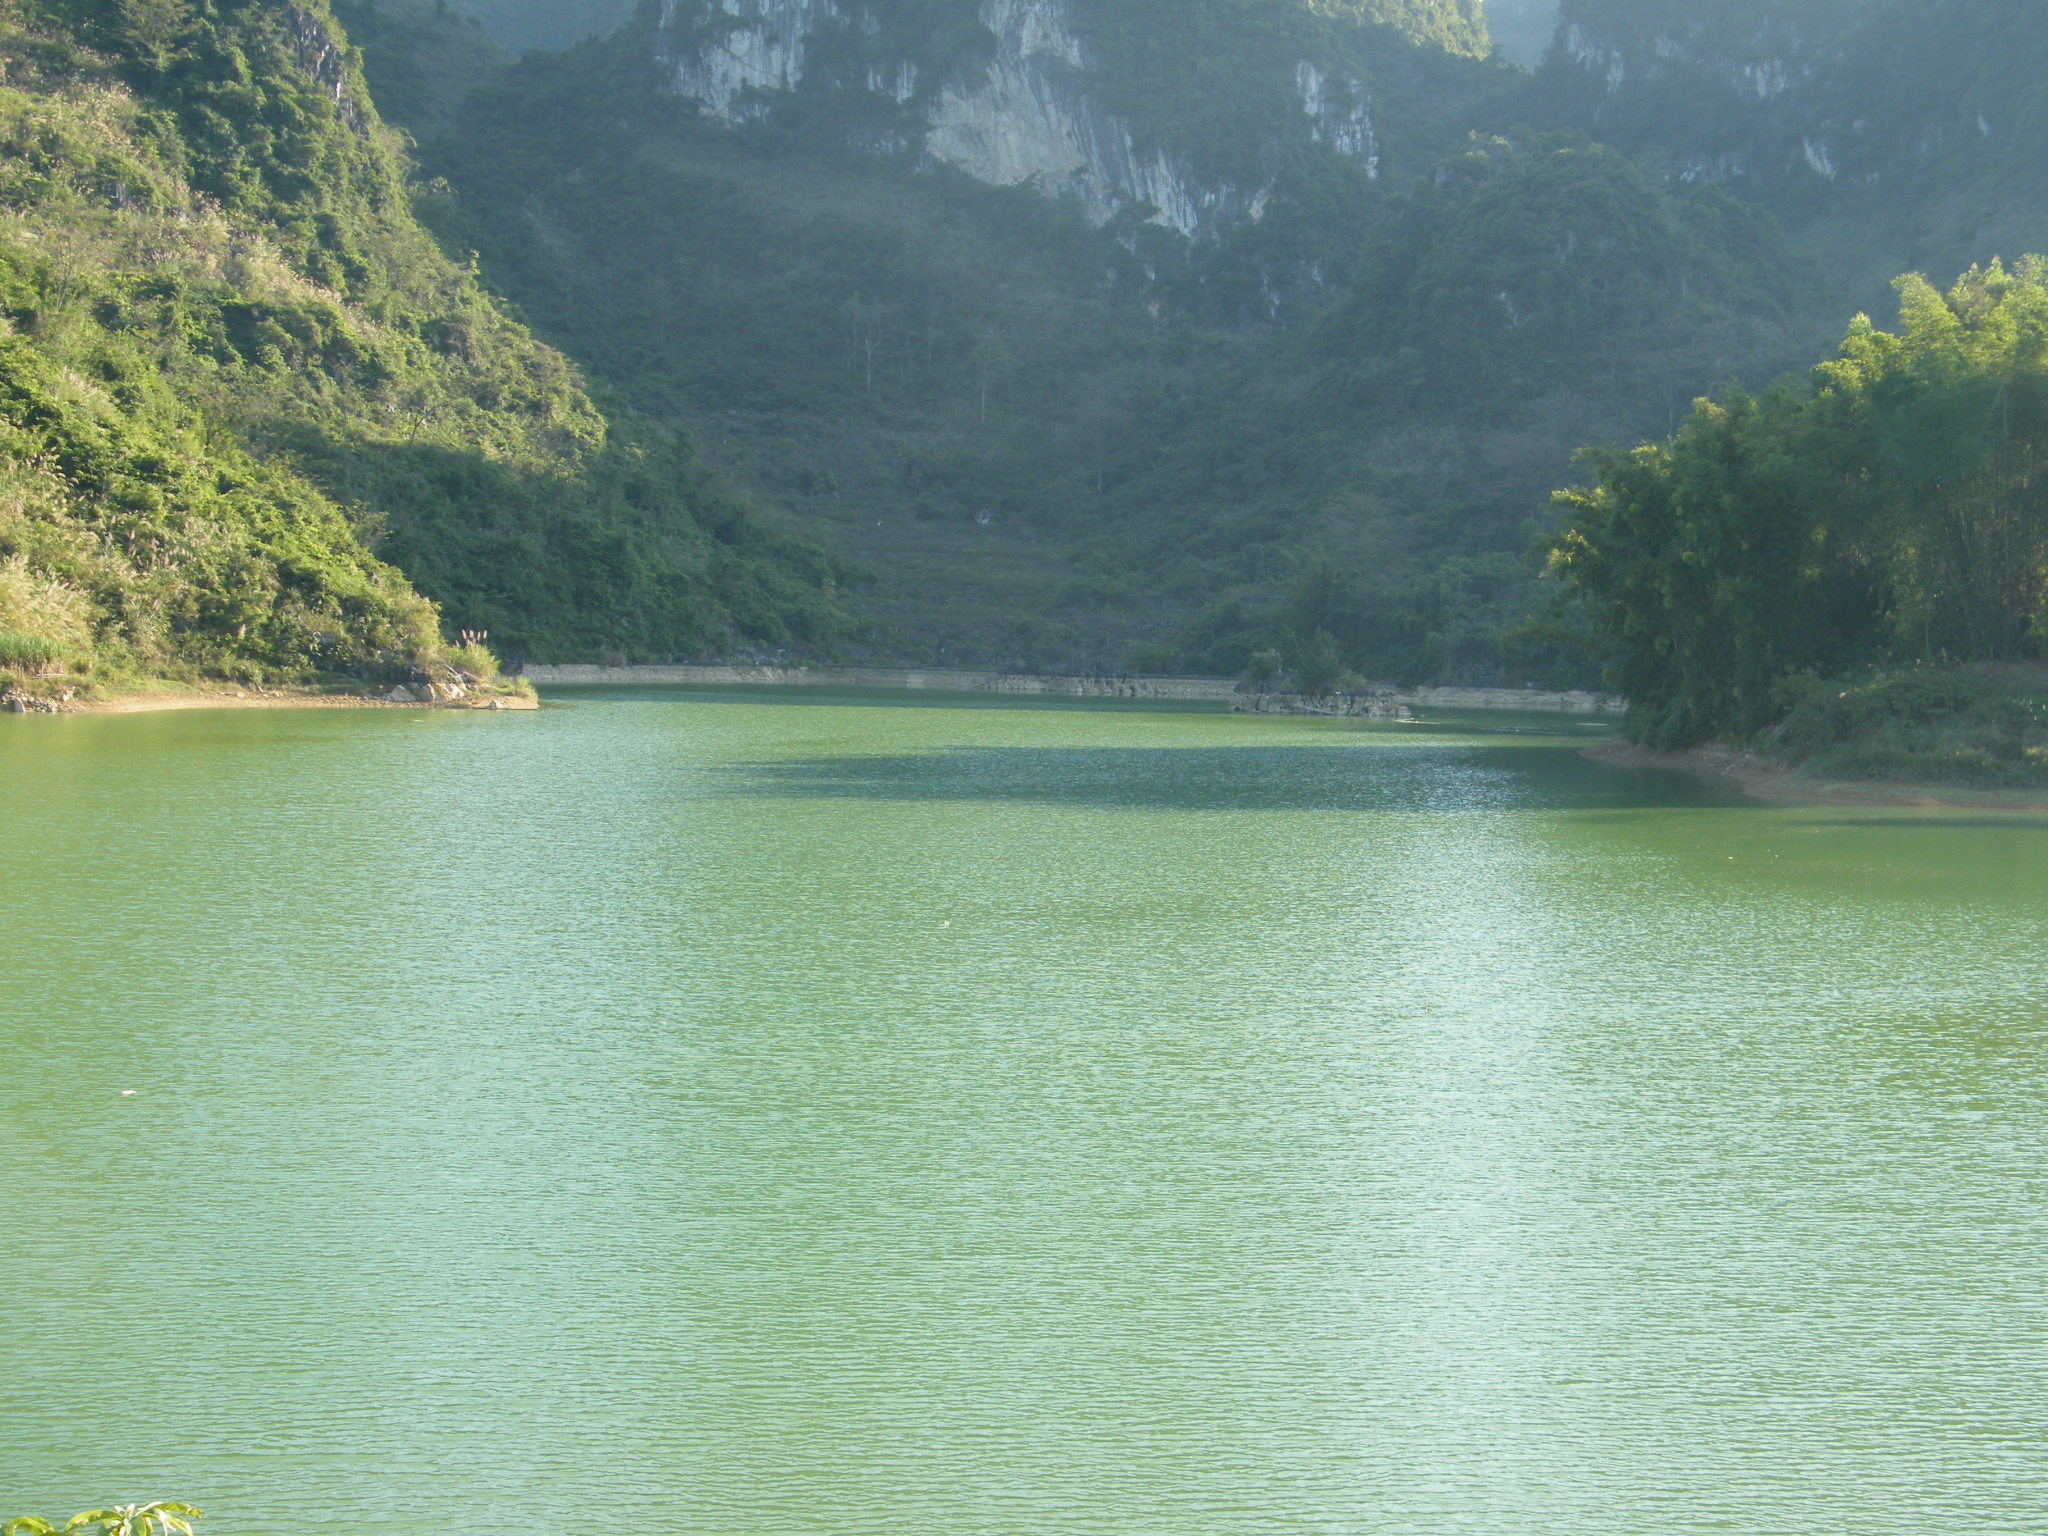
x,y
1016,103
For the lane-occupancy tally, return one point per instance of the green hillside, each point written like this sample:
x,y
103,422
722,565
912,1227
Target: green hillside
x,y
244,391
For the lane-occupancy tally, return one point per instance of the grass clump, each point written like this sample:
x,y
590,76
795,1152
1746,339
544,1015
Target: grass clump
x,y
27,653
473,659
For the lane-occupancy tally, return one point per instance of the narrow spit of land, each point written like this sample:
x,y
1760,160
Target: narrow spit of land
x,y
156,700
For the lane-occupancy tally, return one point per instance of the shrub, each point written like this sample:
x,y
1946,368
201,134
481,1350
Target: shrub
x,y
36,603
474,661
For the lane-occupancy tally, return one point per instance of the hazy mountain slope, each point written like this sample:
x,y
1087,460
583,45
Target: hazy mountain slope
x,y
424,58
1923,119
859,345
1390,460
1062,445
519,25
1522,29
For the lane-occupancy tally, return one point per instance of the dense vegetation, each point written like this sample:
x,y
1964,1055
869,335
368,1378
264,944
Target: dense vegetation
x,y
136,532
1888,514
1918,123
1057,446
232,365
246,386
523,24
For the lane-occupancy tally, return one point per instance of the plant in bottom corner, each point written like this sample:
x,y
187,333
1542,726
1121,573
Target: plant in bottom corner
x,y
158,1519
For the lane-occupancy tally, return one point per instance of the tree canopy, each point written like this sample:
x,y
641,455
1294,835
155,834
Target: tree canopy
x,y
1893,510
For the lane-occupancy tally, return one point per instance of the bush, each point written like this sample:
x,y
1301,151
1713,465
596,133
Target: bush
x,y
474,661
1978,726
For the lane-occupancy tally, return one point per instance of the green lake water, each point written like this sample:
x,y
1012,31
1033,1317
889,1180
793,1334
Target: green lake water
x,y
739,1115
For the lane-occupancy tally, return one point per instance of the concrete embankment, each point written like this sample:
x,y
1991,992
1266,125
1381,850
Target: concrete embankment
x,y
1214,690
1378,702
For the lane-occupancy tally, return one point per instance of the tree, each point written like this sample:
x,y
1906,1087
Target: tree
x,y
1894,510
158,1519
1319,665
147,29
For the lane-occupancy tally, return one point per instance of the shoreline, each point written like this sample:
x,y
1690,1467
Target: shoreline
x,y
1761,778
147,702
1373,699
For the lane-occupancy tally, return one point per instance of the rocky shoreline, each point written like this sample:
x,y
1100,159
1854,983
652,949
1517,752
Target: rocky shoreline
x,y
1386,702
69,702
1355,706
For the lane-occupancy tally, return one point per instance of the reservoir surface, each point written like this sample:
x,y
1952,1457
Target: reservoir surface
x,y
725,1116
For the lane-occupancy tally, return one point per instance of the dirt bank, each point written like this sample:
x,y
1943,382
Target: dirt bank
x,y
1764,779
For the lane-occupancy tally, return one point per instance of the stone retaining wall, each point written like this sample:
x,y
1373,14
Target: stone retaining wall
x,y
1215,690
1376,701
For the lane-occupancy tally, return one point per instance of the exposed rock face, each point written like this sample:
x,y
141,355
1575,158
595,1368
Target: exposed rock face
x,y
1852,91
1028,117
1024,112
320,56
1340,119
752,49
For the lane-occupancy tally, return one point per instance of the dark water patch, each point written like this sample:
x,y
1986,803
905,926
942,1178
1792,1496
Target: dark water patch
x,y
870,698
1365,775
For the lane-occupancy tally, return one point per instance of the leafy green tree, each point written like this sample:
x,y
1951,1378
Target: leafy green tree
x,y
1264,668
159,1519
1892,511
1319,665
148,29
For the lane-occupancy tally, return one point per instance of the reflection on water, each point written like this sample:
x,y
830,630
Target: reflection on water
x,y
806,1115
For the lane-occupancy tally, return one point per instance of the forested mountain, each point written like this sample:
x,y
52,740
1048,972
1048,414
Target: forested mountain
x,y
1908,130
519,25
1091,333
1236,336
